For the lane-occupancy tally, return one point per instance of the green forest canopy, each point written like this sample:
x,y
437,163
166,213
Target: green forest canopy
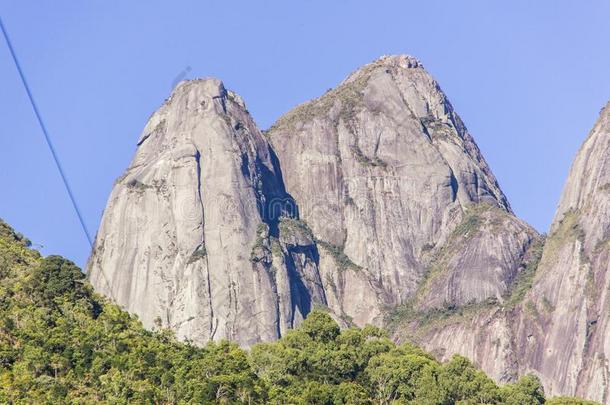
x,y
62,343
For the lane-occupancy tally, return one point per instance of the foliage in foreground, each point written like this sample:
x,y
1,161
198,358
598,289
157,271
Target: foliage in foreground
x,y
62,343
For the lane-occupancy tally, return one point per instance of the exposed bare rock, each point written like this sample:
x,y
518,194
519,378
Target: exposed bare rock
x,y
573,278
480,260
190,238
394,198
384,172
557,324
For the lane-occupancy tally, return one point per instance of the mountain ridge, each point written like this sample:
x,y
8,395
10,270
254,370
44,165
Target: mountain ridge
x,y
372,201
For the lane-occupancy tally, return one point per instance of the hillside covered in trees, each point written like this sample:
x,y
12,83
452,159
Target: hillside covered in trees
x,y
62,343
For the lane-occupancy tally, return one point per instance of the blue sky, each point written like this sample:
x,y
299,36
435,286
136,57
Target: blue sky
x,y
528,78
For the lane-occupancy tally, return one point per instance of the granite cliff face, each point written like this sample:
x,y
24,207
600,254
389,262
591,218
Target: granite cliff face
x,y
571,348
384,187
391,182
556,323
190,238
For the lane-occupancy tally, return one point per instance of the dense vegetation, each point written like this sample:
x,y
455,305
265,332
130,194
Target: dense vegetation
x,y
62,343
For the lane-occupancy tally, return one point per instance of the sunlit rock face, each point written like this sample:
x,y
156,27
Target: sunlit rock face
x,y
190,238
393,186
558,326
370,199
571,330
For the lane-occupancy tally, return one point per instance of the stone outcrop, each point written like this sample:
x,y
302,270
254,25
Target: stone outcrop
x,y
190,238
384,187
392,184
557,323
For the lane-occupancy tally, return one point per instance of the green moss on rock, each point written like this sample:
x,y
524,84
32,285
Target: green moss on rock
x,y
198,254
348,95
260,249
525,279
292,227
341,259
138,186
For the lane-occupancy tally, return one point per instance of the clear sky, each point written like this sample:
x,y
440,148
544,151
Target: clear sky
x,y
528,78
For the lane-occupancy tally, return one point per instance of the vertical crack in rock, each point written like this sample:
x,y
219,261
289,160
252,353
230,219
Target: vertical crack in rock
x,y
202,244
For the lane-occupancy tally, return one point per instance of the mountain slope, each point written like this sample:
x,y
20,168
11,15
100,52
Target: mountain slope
x,y
573,278
386,175
190,237
61,343
558,326
373,202
384,187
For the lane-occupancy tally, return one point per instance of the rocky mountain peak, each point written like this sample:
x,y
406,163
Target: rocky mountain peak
x,y
372,196
373,202
185,238
394,62
589,179
570,298
383,171
206,87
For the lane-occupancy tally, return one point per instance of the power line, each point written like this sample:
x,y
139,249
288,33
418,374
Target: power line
x,y
46,135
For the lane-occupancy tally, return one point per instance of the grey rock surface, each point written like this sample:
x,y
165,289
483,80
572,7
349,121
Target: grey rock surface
x,y
384,171
480,261
558,328
382,180
570,295
186,238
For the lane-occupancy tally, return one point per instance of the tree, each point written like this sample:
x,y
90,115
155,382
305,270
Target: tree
x,y
56,276
463,382
528,390
62,343
320,327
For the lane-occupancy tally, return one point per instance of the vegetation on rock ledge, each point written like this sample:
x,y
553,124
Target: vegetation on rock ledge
x,y
342,261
